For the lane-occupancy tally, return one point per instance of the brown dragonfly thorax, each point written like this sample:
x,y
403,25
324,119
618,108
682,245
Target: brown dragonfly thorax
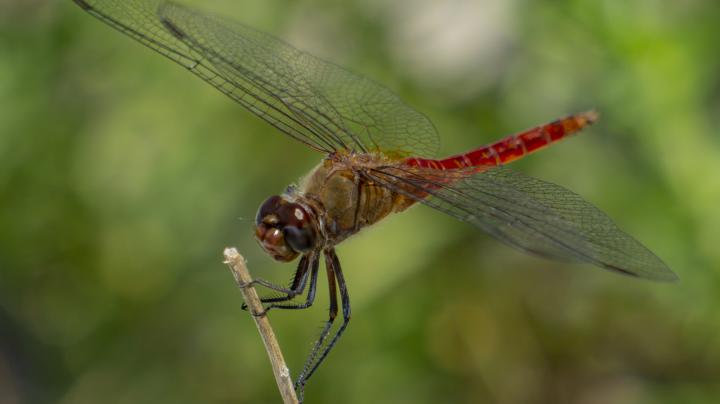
x,y
333,202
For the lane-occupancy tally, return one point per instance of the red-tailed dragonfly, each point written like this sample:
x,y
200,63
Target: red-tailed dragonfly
x,y
378,159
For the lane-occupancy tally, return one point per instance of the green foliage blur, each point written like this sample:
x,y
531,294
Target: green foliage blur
x,y
122,178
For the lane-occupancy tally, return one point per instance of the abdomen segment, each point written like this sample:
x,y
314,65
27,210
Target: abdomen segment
x,y
512,147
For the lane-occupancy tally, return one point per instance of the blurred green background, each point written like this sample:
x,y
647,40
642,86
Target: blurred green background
x,y
122,177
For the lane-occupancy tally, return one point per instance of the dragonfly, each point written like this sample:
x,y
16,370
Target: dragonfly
x,y
378,159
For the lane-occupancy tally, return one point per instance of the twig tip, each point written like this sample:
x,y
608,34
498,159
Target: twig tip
x,y
231,254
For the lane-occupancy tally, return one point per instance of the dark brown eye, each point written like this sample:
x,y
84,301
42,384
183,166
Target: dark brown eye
x,y
291,214
284,228
268,207
299,239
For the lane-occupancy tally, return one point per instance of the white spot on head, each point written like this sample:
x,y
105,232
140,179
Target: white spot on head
x,y
299,214
276,232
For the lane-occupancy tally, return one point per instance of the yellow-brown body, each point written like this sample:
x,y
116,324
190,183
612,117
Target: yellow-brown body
x,y
344,200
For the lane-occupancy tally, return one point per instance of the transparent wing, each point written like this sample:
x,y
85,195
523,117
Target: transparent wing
x,y
313,101
527,213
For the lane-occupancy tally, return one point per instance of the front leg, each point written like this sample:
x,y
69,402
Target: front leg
x,y
310,295
297,285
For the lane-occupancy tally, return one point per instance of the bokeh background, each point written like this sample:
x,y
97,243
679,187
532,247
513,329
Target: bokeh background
x,y
122,177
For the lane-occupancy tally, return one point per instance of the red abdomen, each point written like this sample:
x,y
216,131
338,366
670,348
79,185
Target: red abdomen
x,y
512,147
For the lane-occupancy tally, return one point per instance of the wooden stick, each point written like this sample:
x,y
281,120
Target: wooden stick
x,y
236,262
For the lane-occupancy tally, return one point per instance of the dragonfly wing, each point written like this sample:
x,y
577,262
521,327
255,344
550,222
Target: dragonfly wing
x,y
527,213
316,102
140,19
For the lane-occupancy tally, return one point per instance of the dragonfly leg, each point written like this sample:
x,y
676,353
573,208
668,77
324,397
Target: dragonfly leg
x,y
310,299
332,314
335,277
297,286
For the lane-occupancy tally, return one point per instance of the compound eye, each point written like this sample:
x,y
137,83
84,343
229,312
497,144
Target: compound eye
x,y
268,207
299,239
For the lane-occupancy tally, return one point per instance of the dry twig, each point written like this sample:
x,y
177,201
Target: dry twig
x,y
236,262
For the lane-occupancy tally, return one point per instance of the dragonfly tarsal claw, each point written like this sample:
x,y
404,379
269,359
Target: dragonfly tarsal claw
x,y
260,314
245,285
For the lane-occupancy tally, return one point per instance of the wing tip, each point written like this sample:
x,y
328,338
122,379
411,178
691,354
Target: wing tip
x,y
668,276
660,274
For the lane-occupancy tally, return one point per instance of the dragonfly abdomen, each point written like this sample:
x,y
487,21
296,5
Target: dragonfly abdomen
x,y
512,147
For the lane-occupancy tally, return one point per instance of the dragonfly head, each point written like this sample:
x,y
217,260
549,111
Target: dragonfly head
x,y
284,229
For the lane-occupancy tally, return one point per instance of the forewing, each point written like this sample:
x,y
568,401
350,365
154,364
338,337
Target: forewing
x,y
527,213
316,102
